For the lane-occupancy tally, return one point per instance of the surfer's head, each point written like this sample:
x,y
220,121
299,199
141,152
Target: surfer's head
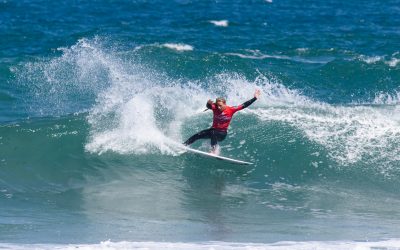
x,y
221,103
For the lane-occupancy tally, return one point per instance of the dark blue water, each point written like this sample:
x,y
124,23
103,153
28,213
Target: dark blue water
x,y
95,95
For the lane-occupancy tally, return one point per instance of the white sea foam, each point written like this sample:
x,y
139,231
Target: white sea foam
x,y
172,46
370,59
393,244
221,23
178,46
391,61
383,98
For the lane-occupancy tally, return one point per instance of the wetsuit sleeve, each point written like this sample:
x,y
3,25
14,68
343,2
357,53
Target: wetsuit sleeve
x,y
249,102
210,106
245,104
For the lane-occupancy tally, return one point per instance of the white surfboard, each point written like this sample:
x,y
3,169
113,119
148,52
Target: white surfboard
x,y
195,151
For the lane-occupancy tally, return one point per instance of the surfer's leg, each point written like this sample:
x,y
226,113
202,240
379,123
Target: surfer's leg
x,y
204,134
214,139
221,135
216,136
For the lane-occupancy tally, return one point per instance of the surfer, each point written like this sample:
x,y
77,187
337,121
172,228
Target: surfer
x,y
222,116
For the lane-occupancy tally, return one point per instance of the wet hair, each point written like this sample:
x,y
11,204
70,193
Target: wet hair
x,y
220,99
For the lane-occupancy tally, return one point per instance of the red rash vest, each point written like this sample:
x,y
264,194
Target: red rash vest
x,y
221,120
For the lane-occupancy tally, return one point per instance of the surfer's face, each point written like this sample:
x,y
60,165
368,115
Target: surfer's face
x,y
221,105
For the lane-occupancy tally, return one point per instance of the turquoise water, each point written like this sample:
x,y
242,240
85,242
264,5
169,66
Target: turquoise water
x,y
94,96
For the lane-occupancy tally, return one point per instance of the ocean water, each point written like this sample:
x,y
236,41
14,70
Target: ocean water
x,y
94,96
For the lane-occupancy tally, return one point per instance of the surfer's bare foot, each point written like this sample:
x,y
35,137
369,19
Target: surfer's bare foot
x,y
215,150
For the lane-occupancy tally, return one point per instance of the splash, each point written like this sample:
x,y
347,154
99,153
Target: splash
x,y
384,98
147,114
133,109
148,121
65,84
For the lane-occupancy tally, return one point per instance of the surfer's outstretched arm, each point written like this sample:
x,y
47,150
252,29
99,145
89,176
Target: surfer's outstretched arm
x,y
249,102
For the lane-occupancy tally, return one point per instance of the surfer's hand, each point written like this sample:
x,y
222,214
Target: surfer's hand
x,y
257,93
209,105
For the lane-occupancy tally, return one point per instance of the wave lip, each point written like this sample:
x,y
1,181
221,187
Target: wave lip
x,y
352,135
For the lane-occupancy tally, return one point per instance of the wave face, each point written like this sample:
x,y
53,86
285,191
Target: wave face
x,y
90,119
